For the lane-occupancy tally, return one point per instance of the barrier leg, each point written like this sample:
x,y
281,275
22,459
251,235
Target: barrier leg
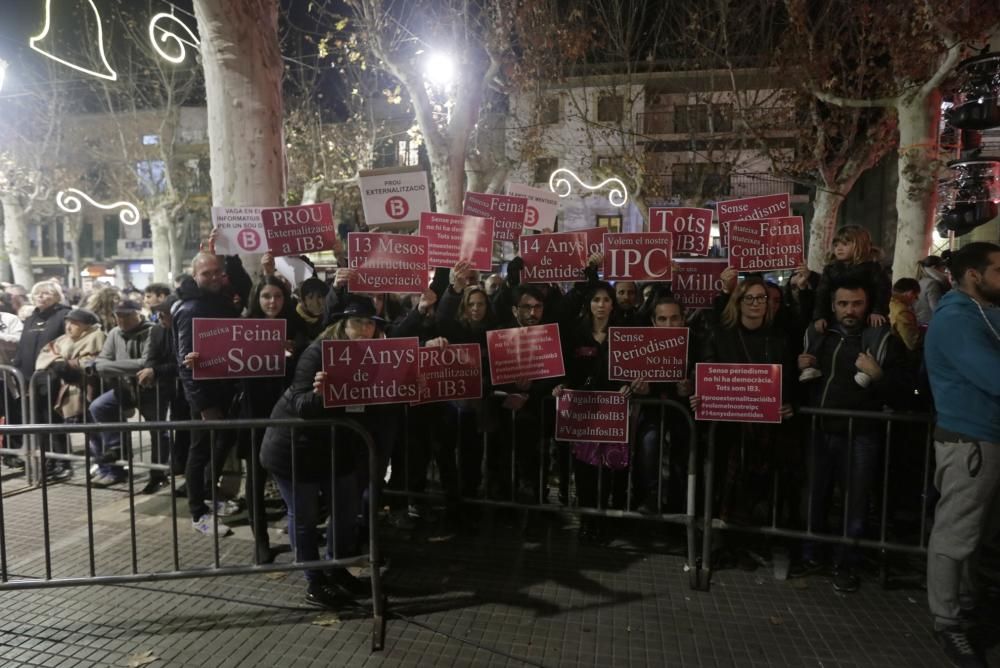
x,y
379,602
704,570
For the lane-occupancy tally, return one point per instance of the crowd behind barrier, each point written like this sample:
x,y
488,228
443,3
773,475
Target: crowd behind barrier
x,y
821,459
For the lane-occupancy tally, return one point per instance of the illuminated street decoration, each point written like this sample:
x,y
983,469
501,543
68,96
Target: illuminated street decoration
x,y
109,73
167,35
3,71
69,201
562,186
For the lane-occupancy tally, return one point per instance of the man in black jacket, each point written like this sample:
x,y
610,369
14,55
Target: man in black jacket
x,y
204,295
863,369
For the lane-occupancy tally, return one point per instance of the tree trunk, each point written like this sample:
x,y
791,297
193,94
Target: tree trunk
x,y
159,223
5,274
915,194
243,68
72,225
176,240
15,238
826,209
448,174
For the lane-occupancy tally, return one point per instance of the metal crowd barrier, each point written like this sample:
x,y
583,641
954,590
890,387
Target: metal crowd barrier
x,y
688,518
881,496
175,571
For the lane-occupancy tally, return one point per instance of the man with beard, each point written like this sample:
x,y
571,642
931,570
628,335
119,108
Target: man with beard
x,y
962,353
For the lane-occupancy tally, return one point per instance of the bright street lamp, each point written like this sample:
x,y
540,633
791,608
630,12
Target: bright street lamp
x,y
439,70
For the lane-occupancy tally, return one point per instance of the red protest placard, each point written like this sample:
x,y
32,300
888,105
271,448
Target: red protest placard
x,y
506,211
592,417
451,237
696,283
637,256
766,206
769,244
595,239
386,262
450,373
552,258
738,392
370,371
293,230
653,354
238,347
524,353
691,228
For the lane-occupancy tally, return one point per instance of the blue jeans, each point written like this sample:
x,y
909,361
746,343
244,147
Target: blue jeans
x,y
303,516
830,464
105,408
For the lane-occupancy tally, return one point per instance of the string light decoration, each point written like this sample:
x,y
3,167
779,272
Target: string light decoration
x,y
3,72
108,74
562,186
169,36
69,200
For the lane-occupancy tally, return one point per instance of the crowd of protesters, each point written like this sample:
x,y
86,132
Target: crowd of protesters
x,y
846,338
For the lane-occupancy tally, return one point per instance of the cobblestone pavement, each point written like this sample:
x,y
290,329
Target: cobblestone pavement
x,y
486,599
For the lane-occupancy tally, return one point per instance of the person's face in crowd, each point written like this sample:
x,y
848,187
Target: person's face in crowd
x,y
165,320
360,328
18,297
151,299
843,251
647,293
987,283
626,293
313,304
208,274
909,298
668,315
272,300
601,305
45,299
753,305
475,307
379,305
128,320
493,284
850,307
773,299
75,329
528,311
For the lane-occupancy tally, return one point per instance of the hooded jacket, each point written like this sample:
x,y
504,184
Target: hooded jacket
x,y
962,355
123,352
39,328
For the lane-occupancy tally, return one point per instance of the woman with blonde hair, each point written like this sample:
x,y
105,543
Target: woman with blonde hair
x,y
102,303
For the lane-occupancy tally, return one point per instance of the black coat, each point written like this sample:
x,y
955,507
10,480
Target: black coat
x,y
40,328
870,275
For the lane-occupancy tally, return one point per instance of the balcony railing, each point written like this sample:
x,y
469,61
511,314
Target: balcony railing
x,y
723,119
714,186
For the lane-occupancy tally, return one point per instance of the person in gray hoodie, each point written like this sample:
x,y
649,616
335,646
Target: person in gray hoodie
x,y
119,362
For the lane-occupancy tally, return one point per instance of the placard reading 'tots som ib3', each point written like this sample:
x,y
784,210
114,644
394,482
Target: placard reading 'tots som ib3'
x,y
738,392
238,347
370,371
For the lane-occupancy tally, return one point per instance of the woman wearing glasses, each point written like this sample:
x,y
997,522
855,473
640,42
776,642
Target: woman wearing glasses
x,y
745,335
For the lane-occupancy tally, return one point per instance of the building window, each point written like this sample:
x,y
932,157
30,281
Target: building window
x,y
610,108
150,140
544,168
551,111
707,179
612,223
703,118
610,164
152,177
407,153
112,228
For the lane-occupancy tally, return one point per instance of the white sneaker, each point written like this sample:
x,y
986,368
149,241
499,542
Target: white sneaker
x,y
206,526
862,379
226,508
810,373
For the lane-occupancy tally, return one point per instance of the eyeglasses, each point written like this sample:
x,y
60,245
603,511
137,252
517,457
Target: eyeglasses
x,y
755,299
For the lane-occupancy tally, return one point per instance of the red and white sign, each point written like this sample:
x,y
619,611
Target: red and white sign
x,y
386,262
637,256
652,354
524,353
738,392
238,347
507,212
370,371
691,228
766,206
394,197
696,283
450,373
294,230
451,237
543,207
240,230
553,258
592,417
769,244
